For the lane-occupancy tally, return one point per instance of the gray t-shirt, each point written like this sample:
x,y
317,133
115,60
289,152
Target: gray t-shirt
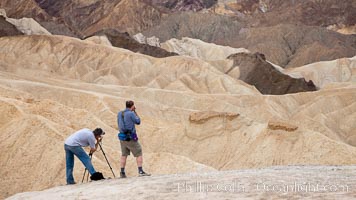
x,y
84,137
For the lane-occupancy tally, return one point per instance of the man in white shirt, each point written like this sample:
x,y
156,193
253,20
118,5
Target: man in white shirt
x,y
73,146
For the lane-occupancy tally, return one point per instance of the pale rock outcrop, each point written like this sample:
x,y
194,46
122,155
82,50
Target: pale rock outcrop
x,y
152,41
347,30
3,13
226,7
100,39
28,26
325,72
198,49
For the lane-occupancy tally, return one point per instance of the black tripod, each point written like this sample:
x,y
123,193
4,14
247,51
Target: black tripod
x,y
107,161
102,150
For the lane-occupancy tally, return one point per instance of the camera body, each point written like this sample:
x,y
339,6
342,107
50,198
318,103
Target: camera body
x,y
128,135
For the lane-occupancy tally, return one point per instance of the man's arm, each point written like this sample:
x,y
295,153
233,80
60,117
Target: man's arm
x,y
93,150
135,118
93,146
119,119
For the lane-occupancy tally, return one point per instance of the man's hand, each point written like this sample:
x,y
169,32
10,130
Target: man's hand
x,y
98,140
92,151
133,108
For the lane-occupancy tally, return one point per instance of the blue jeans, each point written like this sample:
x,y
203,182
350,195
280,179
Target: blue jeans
x,y
82,155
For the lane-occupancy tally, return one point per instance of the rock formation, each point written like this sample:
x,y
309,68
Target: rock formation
x,y
326,72
31,9
8,29
123,40
321,73
152,41
284,45
175,73
256,71
251,68
273,12
255,25
27,26
198,49
99,39
83,18
181,5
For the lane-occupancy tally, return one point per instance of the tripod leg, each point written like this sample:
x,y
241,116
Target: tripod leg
x,y
107,160
88,176
85,170
90,155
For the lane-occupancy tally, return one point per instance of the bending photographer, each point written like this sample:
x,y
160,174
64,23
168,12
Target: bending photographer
x,y
73,146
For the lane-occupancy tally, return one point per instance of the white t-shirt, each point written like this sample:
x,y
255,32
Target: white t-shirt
x,y
84,137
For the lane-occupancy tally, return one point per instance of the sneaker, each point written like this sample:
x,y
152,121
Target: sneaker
x,y
71,183
142,173
123,175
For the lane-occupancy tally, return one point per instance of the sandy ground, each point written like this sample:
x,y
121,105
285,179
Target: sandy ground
x,y
282,182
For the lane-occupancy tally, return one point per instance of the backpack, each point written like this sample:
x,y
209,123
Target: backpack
x,y
97,176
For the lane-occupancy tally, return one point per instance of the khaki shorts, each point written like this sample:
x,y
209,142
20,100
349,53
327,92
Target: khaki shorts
x,y
133,146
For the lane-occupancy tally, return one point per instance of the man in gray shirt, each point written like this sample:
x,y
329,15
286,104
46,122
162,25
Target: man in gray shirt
x,y
73,146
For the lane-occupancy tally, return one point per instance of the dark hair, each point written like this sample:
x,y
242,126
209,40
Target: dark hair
x,y
98,132
129,104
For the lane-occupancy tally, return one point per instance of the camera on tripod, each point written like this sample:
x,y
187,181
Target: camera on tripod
x,y
91,154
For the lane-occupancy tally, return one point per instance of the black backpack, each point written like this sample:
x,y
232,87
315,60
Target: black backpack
x,y
97,176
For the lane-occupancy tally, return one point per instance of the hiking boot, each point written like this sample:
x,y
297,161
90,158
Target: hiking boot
x,y
123,175
142,173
